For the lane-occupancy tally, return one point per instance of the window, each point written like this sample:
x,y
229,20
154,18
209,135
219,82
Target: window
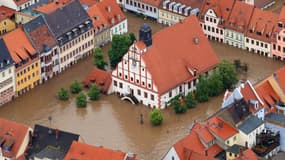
x,y
139,92
279,37
149,85
126,77
279,48
121,85
143,83
132,79
252,41
152,97
170,94
180,88
274,46
257,43
145,95
115,83
207,18
247,40
154,10
120,74
138,81
267,45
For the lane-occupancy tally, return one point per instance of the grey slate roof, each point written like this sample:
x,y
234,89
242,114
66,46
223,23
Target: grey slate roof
x,y
250,124
33,24
276,117
235,149
45,145
5,57
64,19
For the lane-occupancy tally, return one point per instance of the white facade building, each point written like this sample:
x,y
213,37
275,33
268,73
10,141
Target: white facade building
x,y
120,28
147,7
18,5
153,70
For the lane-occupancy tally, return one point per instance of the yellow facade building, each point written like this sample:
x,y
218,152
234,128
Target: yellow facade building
x,y
27,62
7,23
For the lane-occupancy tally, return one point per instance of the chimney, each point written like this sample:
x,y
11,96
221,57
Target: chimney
x,y
56,133
145,34
196,40
130,156
206,152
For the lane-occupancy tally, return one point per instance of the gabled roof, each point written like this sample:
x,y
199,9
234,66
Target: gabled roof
x,y
168,60
6,12
203,132
250,95
247,155
220,128
222,8
19,2
51,6
236,149
250,124
40,34
193,143
263,22
12,134
81,151
20,48
282,15
240,17
268,95
191,155
97,17
5,57
50,143
64,19
279,75
101,78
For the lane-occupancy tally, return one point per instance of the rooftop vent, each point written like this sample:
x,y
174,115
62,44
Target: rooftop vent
x,y
196,40
130,156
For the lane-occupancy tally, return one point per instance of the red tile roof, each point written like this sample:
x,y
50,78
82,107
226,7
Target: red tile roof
x,y
12,132
6,12
51,6
81,151
20,48
240,17
263,22
203,132
221,128
247,155
268,95
168,60
279,75
191,155
222,8
282,15
193,143
101,78
249,94
19,2
98,19
42,37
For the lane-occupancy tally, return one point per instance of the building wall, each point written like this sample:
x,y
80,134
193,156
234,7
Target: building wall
x,y
251,137
171,155
278,48
281,129
231,156
120,28
101,38
257,46
7,25
141,8
169,18
26,5
234,38
21,18
211,26
28,76
49,64
74,50
7,84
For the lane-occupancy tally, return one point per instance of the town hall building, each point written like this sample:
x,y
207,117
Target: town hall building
x,y
157,68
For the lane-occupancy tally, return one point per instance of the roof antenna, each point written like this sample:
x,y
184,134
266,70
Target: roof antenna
x,y
49,130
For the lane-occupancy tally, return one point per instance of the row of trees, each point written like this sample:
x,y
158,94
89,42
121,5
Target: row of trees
x,y
224,77
81,99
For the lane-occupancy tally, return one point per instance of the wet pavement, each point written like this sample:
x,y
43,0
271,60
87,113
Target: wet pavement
x,y
113,123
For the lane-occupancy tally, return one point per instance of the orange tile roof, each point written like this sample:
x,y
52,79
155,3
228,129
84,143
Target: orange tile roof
x,y
192,142
240,17
203,132
140,45
81,151
20,48
264,22
222,8
51,6
97,17
113,13
221,128
12,132
268,95
6,12
280,77
101,78
191,155
19,2
282,15
168,59
248,94
247,155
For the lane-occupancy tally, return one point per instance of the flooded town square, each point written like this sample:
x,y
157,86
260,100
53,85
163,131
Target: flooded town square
x,y
115,124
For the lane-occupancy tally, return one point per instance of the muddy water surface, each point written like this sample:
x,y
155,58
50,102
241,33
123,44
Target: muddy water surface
x,y
116,124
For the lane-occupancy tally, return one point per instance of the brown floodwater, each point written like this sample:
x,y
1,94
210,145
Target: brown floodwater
x,y
113,123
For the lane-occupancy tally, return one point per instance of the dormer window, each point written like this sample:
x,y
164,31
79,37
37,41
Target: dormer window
x,y
251,31
258,33
280,24
267,35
